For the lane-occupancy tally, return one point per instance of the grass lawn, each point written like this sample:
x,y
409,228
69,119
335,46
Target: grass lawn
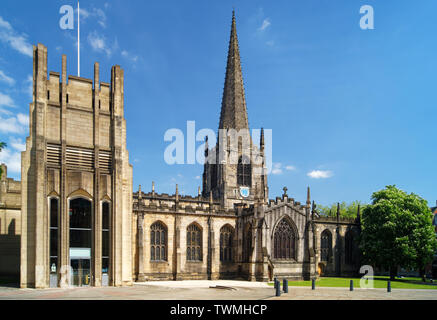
x,y
378,282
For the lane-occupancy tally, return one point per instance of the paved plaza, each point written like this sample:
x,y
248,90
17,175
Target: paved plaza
x,y
211,290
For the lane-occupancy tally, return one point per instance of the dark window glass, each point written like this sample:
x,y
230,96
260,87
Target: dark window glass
x,y
106,218
247,243
244,172
194,243
349,248
326,246
80,223
226,239
54,208
158,242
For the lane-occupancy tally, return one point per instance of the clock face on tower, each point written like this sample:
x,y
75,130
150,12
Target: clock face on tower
x,y
244,192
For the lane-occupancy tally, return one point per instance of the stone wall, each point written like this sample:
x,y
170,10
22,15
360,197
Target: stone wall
x,y
10,225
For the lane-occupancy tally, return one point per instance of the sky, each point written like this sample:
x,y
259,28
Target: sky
x,y
351,110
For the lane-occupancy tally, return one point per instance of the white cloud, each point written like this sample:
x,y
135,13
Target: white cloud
x,y
15,40
17,144
129,56
290,168
320,174
4,24
12,159
6,101
98,43
97,15
23,119
277,168
16,124
6,79
28,85
197,177
266,23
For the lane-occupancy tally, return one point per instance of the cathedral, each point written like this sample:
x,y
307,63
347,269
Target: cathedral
x,y
78,222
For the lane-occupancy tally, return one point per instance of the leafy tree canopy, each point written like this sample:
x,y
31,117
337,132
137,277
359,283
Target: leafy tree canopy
x,y
347,210
397,230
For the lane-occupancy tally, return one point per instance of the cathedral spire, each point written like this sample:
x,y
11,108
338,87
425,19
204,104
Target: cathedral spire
x,y
234,113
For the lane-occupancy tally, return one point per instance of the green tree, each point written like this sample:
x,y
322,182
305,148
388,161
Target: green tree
x,y
2,146
397,231
347,210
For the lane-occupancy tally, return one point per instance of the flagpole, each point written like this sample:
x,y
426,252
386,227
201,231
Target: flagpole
x,y
78,39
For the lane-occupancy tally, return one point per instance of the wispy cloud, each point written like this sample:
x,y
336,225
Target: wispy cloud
x,y
96,14
28,85
276,170
6,79
6,101
129,56
17,41
12,159
320,174
99,43
16,124
265,24
290,168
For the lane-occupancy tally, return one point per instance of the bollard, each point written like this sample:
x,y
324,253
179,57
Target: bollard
x,y
352,285
285,285
389,286
278,289
276,282
313,284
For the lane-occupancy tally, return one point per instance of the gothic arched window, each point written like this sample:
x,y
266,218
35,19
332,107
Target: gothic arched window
x,y
194,243
158,242
244,171
284,241
226,240
326,246
247,242
349,248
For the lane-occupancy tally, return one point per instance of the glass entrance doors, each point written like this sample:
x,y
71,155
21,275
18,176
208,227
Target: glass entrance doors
x,y
80,272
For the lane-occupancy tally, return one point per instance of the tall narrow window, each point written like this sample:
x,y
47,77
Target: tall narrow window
x,y
106,218
53,235
349,247
247,243
226,240
284,241
326,246
244,172
194,243
158,242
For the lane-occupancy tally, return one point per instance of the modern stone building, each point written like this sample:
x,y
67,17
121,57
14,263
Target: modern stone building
x,y
82,224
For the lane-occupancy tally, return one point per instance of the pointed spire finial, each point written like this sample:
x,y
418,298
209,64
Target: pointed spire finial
x,y
308,196
338,210
140,193
261,140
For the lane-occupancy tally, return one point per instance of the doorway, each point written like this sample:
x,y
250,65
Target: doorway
x,y
80,272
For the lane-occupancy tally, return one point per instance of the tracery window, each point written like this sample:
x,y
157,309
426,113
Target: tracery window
x,y
158,242
247,243
349,247
226,240
244,171
326,246
284,241
194,243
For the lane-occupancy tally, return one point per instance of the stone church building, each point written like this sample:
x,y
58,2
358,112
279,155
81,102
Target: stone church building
x,y
77,221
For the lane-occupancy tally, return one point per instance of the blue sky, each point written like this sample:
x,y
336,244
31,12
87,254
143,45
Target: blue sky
x,y
356,106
